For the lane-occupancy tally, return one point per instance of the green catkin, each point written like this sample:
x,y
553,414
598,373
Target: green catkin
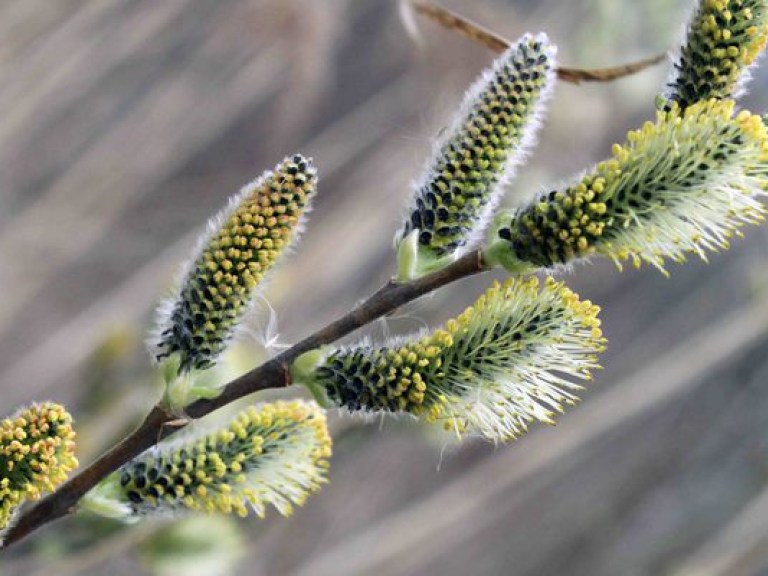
x,y
476,156
682,185
273,454
243,244
36,455
723,39
511,358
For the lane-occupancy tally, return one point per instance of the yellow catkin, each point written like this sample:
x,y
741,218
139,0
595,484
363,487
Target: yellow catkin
x,y
680,185
244,243
486,141
274,454
510,358
37,448
723,40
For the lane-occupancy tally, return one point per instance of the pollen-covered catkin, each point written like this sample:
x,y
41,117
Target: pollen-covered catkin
x,y
36,455
476,155
723,39
273,454
243,243
511,358
682,185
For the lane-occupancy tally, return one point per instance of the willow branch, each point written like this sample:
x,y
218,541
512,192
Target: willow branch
x,y
474,31
274,373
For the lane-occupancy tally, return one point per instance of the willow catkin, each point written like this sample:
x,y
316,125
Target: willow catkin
x,y
273,454
243,243
513,357
36,455
477,154
682,185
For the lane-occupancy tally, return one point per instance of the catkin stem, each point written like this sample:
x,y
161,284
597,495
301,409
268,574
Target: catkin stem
x,y
275,373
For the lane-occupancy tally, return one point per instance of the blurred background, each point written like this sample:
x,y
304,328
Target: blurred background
x,y
127,123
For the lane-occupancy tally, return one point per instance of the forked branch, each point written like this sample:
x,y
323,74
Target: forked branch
x,y
160,423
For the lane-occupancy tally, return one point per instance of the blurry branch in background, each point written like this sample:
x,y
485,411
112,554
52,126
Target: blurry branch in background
x,y
453,21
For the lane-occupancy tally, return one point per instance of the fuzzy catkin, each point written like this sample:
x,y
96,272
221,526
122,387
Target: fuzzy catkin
x,y
511,358
682,185
244,242
274,454
723,40
36,455
478,153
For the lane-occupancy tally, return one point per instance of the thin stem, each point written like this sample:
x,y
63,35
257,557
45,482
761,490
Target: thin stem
x,y
274,373
453,21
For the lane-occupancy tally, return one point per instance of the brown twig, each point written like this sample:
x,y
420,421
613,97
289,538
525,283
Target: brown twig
x,y
275,373
271,374
578,75
453,21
